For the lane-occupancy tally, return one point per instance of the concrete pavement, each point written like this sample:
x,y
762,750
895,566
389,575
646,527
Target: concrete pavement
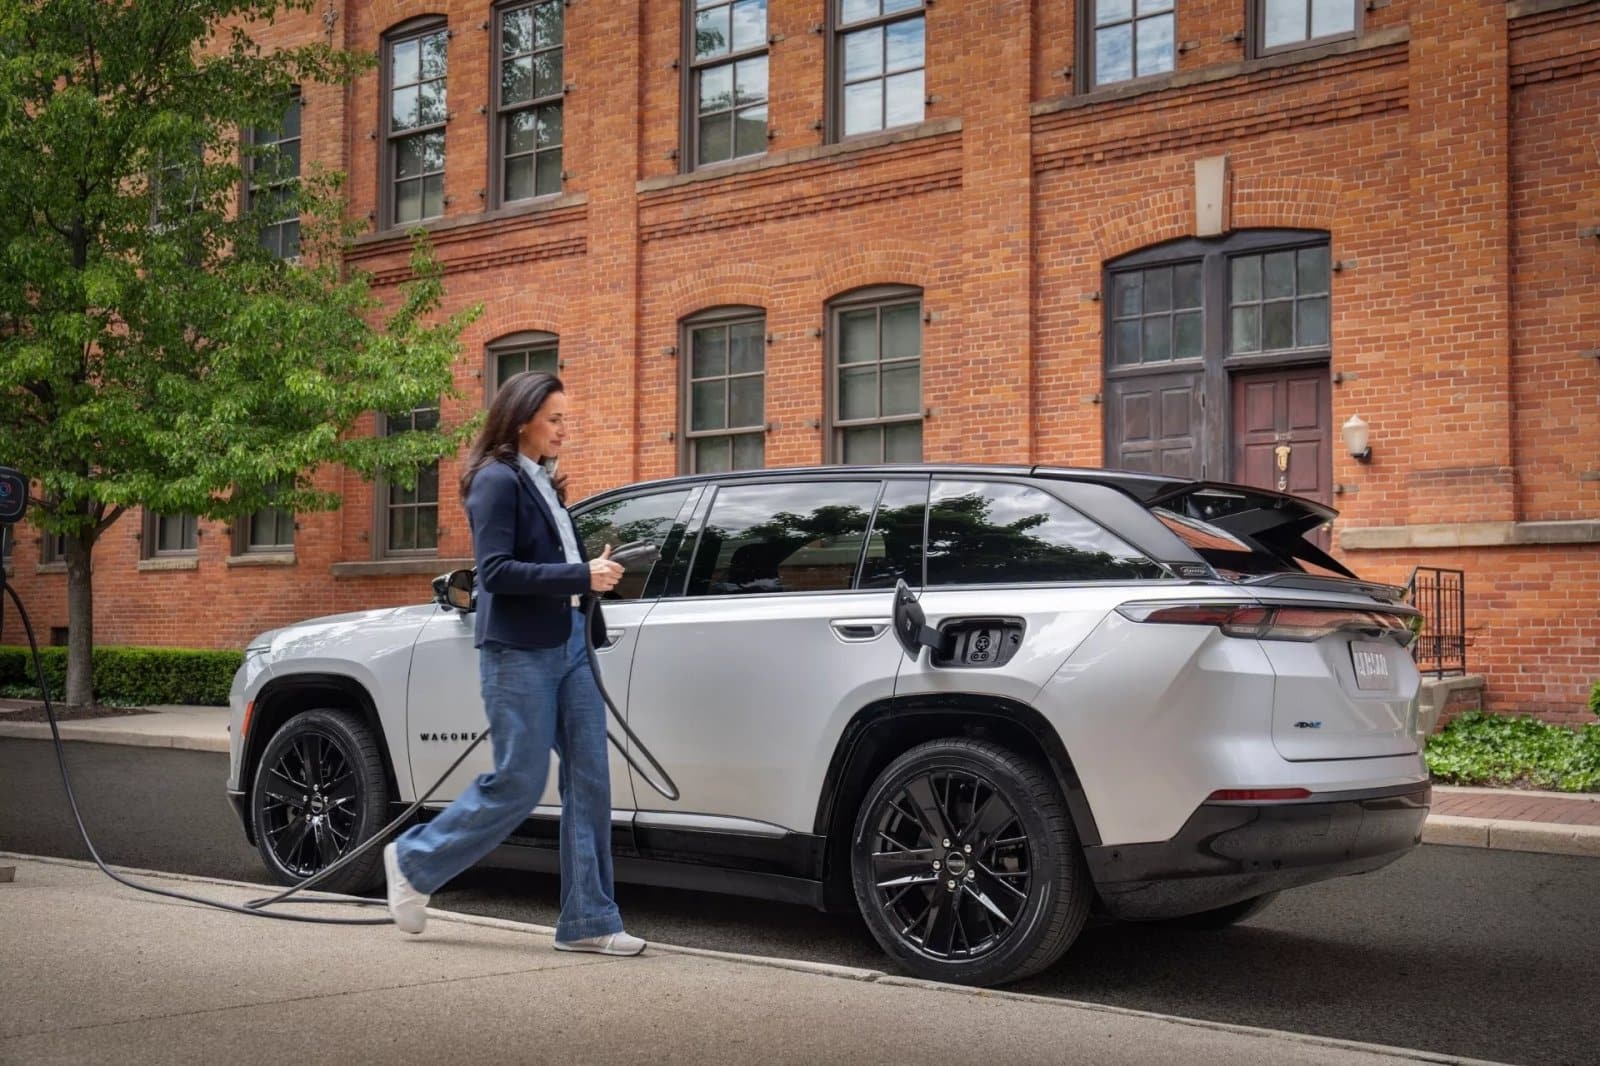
x,y
1504,819
92,972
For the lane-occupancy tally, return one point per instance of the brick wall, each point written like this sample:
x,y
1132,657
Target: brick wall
x,y
1450,153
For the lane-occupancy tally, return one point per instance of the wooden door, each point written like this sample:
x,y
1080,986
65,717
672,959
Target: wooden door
x,y
1283,431
1156,424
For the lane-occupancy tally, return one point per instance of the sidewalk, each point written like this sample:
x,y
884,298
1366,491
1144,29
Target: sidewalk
x,y
92,972
1504,819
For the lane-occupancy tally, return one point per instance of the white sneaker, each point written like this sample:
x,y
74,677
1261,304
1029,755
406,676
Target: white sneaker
x,y
407,906
610,944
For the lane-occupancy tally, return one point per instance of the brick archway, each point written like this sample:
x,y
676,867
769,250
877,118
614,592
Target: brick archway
x,y
1263,202
386,14
718,286
876,263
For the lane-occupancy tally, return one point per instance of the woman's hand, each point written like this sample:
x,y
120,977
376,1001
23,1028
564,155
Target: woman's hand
x,y
603,573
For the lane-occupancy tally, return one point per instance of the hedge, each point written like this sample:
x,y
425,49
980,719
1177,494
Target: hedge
x,y
130,676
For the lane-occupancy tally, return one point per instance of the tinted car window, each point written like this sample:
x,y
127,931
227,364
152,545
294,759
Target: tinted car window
x,y
894,547
796,537
986,533
639,519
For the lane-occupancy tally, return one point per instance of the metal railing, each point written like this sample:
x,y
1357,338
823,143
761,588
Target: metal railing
x,y
1441,595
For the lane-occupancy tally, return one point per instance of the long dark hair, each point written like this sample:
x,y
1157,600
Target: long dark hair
x,y
519,399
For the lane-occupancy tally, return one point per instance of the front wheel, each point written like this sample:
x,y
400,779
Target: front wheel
x,y
966,866
319,792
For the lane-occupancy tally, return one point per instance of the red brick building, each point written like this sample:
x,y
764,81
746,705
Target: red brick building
x,y
1191,235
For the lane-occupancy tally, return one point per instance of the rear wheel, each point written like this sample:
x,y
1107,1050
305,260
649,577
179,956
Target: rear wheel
x,y
319,792
965,864
1222,917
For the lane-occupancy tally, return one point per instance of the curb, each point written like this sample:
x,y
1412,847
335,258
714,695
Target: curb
x,y
111,735
1521,793
850,973
1504,834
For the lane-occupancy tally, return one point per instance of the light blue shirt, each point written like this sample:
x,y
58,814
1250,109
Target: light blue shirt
x,y
541,481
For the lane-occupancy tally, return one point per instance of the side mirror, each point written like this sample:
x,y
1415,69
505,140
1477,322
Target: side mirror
x,y
911,624
457,590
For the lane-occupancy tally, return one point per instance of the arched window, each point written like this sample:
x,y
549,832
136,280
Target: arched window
x,y
875,375
724,408
512,354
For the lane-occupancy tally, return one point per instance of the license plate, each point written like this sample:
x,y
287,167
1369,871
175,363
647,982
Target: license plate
x,y
1372,665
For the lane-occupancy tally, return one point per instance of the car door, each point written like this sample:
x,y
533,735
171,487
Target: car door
x,y
744,678
444,708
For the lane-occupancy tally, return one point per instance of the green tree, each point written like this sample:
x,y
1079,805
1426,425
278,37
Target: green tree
x,y
152,352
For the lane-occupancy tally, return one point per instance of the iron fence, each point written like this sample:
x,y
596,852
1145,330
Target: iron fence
x,y
1441,595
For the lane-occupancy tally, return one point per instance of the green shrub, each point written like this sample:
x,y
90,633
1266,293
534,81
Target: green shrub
x,y
1488,749
1594,699
129,676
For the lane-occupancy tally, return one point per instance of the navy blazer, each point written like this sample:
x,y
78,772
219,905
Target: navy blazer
x,y
525,584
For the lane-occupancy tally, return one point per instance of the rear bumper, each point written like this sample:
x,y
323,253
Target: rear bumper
x,y
1228,852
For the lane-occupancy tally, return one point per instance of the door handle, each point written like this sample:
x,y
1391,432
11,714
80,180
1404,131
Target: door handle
x,y
613,634
859,630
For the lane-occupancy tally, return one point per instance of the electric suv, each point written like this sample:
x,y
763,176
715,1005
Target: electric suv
x,y
973,702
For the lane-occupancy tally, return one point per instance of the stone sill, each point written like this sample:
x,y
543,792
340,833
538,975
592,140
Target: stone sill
x,y
791,156
1223,71
1470,535
393,567
263,559
400,235
1522,8
50,568
190,563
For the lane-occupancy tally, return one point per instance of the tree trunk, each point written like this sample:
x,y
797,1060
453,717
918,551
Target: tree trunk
x,y
80,620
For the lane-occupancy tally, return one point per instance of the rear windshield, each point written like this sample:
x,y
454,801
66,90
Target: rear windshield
x,y
1228,555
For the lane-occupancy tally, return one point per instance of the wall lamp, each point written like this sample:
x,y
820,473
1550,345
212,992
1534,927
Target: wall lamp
x,y
1355,439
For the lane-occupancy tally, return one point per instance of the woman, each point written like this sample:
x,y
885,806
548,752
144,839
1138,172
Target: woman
x,y
538,689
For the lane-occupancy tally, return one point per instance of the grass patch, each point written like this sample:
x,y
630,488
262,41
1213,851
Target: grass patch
x,y
1519,752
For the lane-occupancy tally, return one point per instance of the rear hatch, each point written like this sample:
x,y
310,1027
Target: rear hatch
x,y
1346,685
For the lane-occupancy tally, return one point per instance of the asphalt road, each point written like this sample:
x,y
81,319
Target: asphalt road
x,y
1459,951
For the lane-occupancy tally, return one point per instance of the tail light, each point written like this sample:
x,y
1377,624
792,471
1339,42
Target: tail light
x,y
1257,795
1262,622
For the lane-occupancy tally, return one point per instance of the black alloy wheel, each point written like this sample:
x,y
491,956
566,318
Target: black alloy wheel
x,y
965,864
320,791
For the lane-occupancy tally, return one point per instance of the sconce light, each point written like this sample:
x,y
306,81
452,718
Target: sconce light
x,y
1355,440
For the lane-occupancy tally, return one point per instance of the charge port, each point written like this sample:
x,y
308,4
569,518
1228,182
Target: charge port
x,y
979,643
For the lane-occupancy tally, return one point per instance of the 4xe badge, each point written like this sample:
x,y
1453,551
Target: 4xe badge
x,y
1308,725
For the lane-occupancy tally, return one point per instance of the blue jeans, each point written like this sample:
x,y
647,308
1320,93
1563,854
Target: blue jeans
x,y
535,699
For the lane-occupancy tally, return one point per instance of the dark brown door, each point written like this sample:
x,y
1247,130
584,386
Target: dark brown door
x,y
1282,431
1155,424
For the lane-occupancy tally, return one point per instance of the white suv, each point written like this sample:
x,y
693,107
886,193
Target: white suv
x,y
1147,695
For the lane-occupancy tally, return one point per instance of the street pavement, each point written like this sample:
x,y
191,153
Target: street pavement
x,y
1457,951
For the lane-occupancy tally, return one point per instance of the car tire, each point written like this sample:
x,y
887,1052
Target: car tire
x,y
1019,897
320,791
1223,917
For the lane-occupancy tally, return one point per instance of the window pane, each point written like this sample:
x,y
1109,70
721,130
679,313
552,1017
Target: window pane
x,y
712,456
1311,322
751,79
403,108
863,54
508,364
427,527
905,99
1157,339
902,389
550,119
1112,11
1156,52
1246,279
433,196
520,128
547,22
516,31
519,178
408,201
1126,347
1285,22
1278,275
1187,335
783,538
548,177
863,445
646,519
1113,54
863,107
708,404
1150,7
858,392
894,548
749,24
516,81
747,347
858,336
902,331
982,533
890,7
750,131
1158,290
433,54
904,45
1312,267
716,89
749,451
405,63
1332,16
1186,285
430,103
1277,325
402,529
1247,329
710,355
547,74
1125,294
716,138
711,33
902,443
856,10
289,246
745,402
